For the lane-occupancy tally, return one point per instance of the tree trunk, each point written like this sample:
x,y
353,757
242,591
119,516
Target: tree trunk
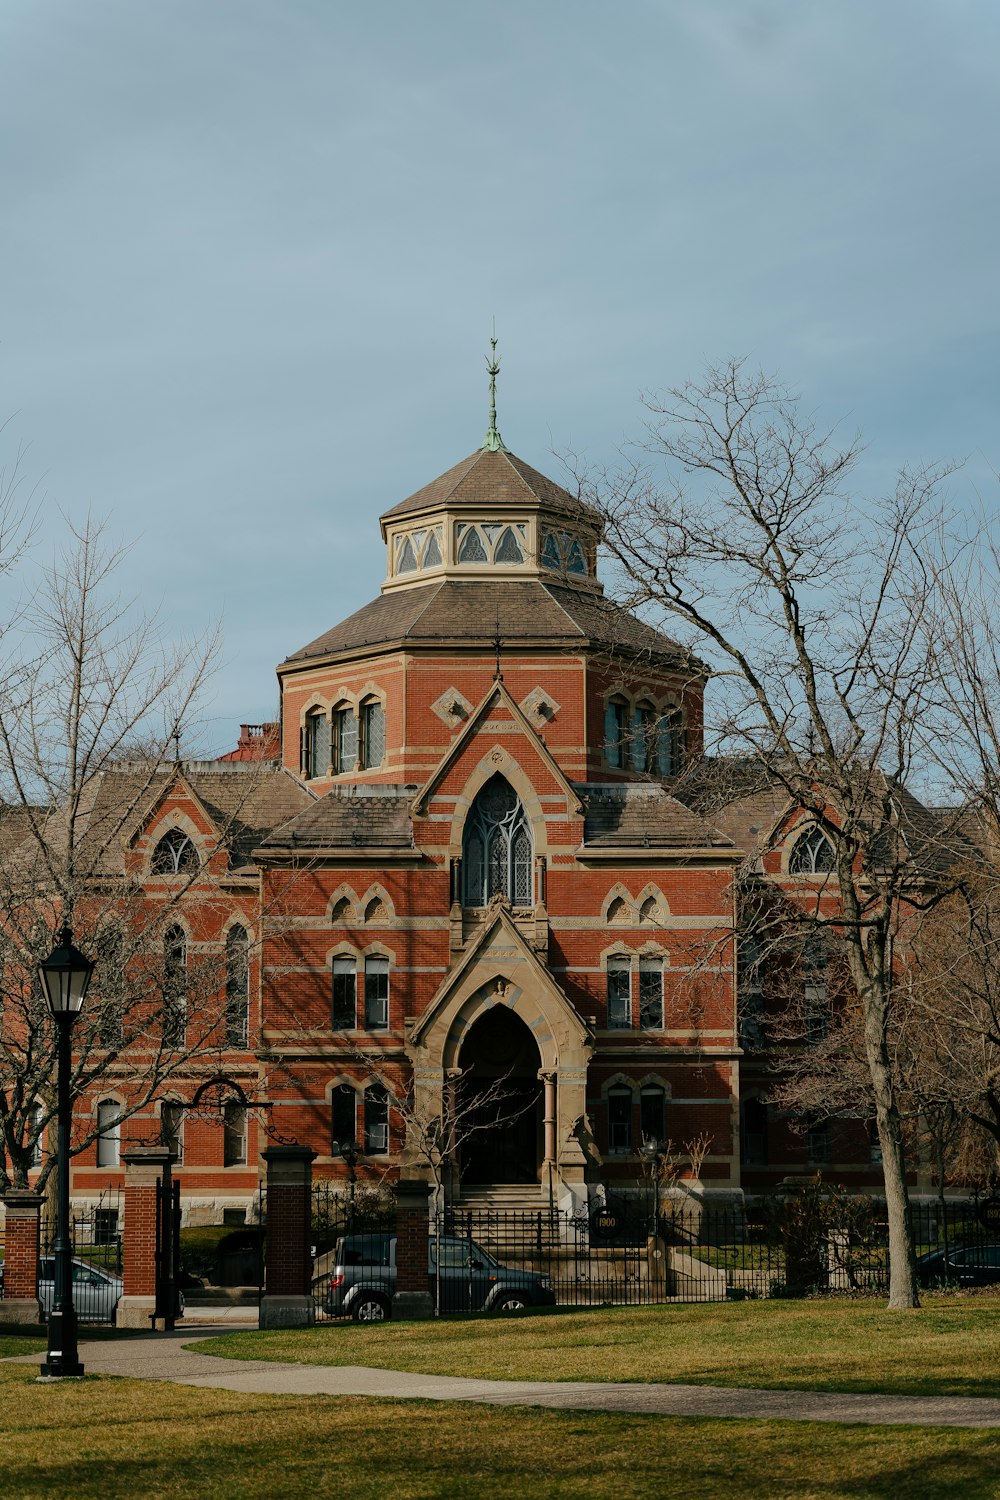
x,y
902,1266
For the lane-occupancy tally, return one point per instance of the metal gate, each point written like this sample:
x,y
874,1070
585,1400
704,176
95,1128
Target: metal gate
x,y
96,1244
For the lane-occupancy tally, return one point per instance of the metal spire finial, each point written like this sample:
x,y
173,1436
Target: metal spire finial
x,y
498,648
494,442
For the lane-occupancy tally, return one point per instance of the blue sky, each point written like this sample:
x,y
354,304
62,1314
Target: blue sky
x,y
250,254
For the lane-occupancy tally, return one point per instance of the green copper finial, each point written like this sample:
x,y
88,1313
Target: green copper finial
x,y
494,442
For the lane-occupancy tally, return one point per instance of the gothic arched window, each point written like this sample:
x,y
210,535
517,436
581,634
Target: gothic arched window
x,y
812,855
237,987
497,848
174,855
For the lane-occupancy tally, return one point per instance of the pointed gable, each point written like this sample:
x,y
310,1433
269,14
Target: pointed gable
x,y
498,703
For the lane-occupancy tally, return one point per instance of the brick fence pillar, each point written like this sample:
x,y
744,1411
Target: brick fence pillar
x,y
20,1270
287,1301
143,1169
412,1298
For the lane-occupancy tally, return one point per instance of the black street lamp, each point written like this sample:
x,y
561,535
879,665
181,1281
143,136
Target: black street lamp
x,y
652,1156
65,975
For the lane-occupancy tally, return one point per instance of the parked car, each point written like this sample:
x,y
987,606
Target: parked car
x,y
976,1264
363,1279
95,1292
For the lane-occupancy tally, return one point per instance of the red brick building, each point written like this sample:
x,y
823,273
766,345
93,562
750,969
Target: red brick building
x,y
490,877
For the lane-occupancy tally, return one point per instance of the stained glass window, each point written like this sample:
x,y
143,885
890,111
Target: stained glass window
x,y
407,557
432,555
497,847
508,548
472,549
550,552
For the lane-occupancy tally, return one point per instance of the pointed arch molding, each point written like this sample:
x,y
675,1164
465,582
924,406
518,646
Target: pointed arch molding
x,y
499,762
500,969
496,758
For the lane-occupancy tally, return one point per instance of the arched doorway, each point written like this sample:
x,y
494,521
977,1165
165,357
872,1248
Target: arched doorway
x,y
500,1101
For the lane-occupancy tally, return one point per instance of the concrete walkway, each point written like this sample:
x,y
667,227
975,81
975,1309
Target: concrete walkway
x,y
174,1357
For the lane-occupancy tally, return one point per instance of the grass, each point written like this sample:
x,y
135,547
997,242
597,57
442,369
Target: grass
x,y
950,1347
106,1439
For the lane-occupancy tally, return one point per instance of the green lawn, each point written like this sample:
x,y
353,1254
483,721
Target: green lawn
x,y
104,1439
950,1347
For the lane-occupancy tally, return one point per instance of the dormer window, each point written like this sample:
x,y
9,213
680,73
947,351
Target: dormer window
x,y
488,542
174,855
812,854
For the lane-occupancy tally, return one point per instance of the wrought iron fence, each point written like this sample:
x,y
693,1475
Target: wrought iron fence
x,y
620,1253
96,1242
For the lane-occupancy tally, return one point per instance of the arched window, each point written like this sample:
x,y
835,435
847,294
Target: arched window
x,y
670,742
317,744
237,987
653,1114
376,1120
812,854
344,1121
174,986
345,740
372,734
497,848
651,994
643,737
234,1135
619,992
615,731
174,855
345,994
619,1120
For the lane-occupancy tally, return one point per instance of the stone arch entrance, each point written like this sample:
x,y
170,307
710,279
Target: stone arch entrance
x,y
500,1100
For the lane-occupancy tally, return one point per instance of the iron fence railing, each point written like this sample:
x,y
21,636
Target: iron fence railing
x,y
622,1253
96,1241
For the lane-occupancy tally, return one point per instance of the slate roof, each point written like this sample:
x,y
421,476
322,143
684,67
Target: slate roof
x,y
245,800
523,609
351,817
642,815
494,478
744,802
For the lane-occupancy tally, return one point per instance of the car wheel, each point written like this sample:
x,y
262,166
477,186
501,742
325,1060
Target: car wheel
x,y
370,1308
511,1302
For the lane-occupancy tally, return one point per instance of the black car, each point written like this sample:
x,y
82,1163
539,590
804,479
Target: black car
x,y
974,1264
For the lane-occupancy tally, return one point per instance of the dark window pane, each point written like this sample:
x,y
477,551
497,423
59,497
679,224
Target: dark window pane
x,y
237,987
653,1115
619,994
376,994
345,979
344,1124
650,995
376,1121
619,1120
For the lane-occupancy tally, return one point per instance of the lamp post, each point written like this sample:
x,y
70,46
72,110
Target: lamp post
x,y
65,976
651,1155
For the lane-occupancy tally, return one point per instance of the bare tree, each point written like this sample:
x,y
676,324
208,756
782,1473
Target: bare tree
x,y
86,676
803,599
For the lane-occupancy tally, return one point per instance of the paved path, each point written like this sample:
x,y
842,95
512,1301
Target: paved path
x,y
174,1357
